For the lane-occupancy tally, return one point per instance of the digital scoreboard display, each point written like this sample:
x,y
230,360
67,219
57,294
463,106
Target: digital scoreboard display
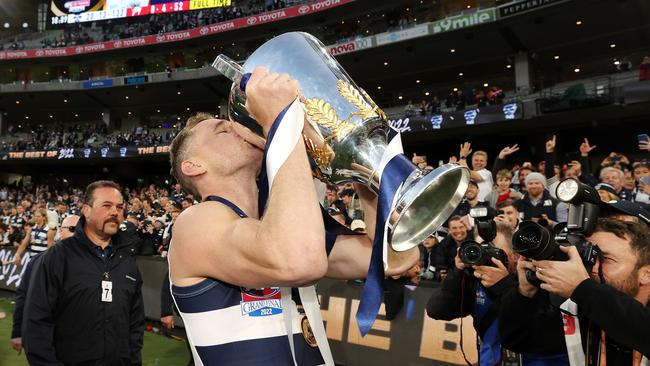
x,y
79,11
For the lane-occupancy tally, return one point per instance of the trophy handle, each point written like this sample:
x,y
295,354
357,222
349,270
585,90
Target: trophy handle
x,y
232,70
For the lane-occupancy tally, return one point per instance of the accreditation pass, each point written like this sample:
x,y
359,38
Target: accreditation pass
x,y
107,289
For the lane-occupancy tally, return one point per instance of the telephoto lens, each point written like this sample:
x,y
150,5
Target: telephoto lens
x,y
534,241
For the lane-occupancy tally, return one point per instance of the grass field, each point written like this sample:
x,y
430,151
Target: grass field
x,y
158,350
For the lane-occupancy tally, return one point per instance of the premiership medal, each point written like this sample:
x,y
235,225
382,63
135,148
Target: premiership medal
x,y
307,334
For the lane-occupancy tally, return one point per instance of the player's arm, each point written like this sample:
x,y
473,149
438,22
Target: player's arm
x,y
287,246
50,237
23,245
350,257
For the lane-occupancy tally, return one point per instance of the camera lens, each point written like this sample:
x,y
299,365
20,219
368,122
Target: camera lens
x,y
533,241
471,253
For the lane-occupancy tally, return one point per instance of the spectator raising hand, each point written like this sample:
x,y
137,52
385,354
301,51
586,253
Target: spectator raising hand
x,y
508,150
550,145
465,150
644,145
585,148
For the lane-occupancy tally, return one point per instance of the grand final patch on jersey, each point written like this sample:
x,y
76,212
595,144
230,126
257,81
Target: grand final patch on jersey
x,y
261,302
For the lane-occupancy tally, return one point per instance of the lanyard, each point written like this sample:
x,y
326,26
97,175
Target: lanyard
x,y
637,357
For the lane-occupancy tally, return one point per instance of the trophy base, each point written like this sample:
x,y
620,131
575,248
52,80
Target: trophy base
x,y
425,204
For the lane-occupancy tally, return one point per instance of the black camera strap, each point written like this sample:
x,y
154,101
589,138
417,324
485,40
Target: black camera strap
x,y
462,300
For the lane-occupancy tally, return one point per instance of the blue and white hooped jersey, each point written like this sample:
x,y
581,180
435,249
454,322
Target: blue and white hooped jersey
x,y
231,325
38,242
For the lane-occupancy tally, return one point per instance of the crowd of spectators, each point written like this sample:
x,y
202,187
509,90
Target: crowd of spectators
x,y
150,212
57,136
456,100
520,191
40,137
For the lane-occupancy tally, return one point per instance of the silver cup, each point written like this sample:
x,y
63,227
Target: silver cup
x,y
347,134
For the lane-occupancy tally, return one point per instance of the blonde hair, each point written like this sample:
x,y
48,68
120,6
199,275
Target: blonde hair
x,y
178,150
43,212
504,173
480,153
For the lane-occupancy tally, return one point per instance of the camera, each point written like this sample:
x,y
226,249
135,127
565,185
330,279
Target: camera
x,y
475,254
537,242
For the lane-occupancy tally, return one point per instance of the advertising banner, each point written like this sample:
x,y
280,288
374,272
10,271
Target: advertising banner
x,y
133,80
402,35
473,116
92,84
516,8
85,153
464,21
351,46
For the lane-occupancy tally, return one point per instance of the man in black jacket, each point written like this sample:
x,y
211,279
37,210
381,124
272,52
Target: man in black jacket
x,y
478,294
85,301
538,204
67,229
613,317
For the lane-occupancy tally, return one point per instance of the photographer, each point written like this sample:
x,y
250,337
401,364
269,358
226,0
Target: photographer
x,y
507,213
476,290
612,322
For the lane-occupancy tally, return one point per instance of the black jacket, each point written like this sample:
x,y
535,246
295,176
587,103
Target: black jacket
x,y
532,325
547,205
66,323
21,294
460,289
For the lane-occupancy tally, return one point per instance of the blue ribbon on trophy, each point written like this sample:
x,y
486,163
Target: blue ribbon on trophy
x,y
392,176
347,139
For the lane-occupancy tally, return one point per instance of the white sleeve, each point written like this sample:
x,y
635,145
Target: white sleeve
x,y
486,175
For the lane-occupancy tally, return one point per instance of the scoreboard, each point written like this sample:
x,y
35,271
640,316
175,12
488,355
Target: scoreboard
x,y
79,11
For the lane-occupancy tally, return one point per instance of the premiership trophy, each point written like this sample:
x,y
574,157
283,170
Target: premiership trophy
x,y
348,137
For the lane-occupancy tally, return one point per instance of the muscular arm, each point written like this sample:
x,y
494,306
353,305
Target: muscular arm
x,y
350,256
